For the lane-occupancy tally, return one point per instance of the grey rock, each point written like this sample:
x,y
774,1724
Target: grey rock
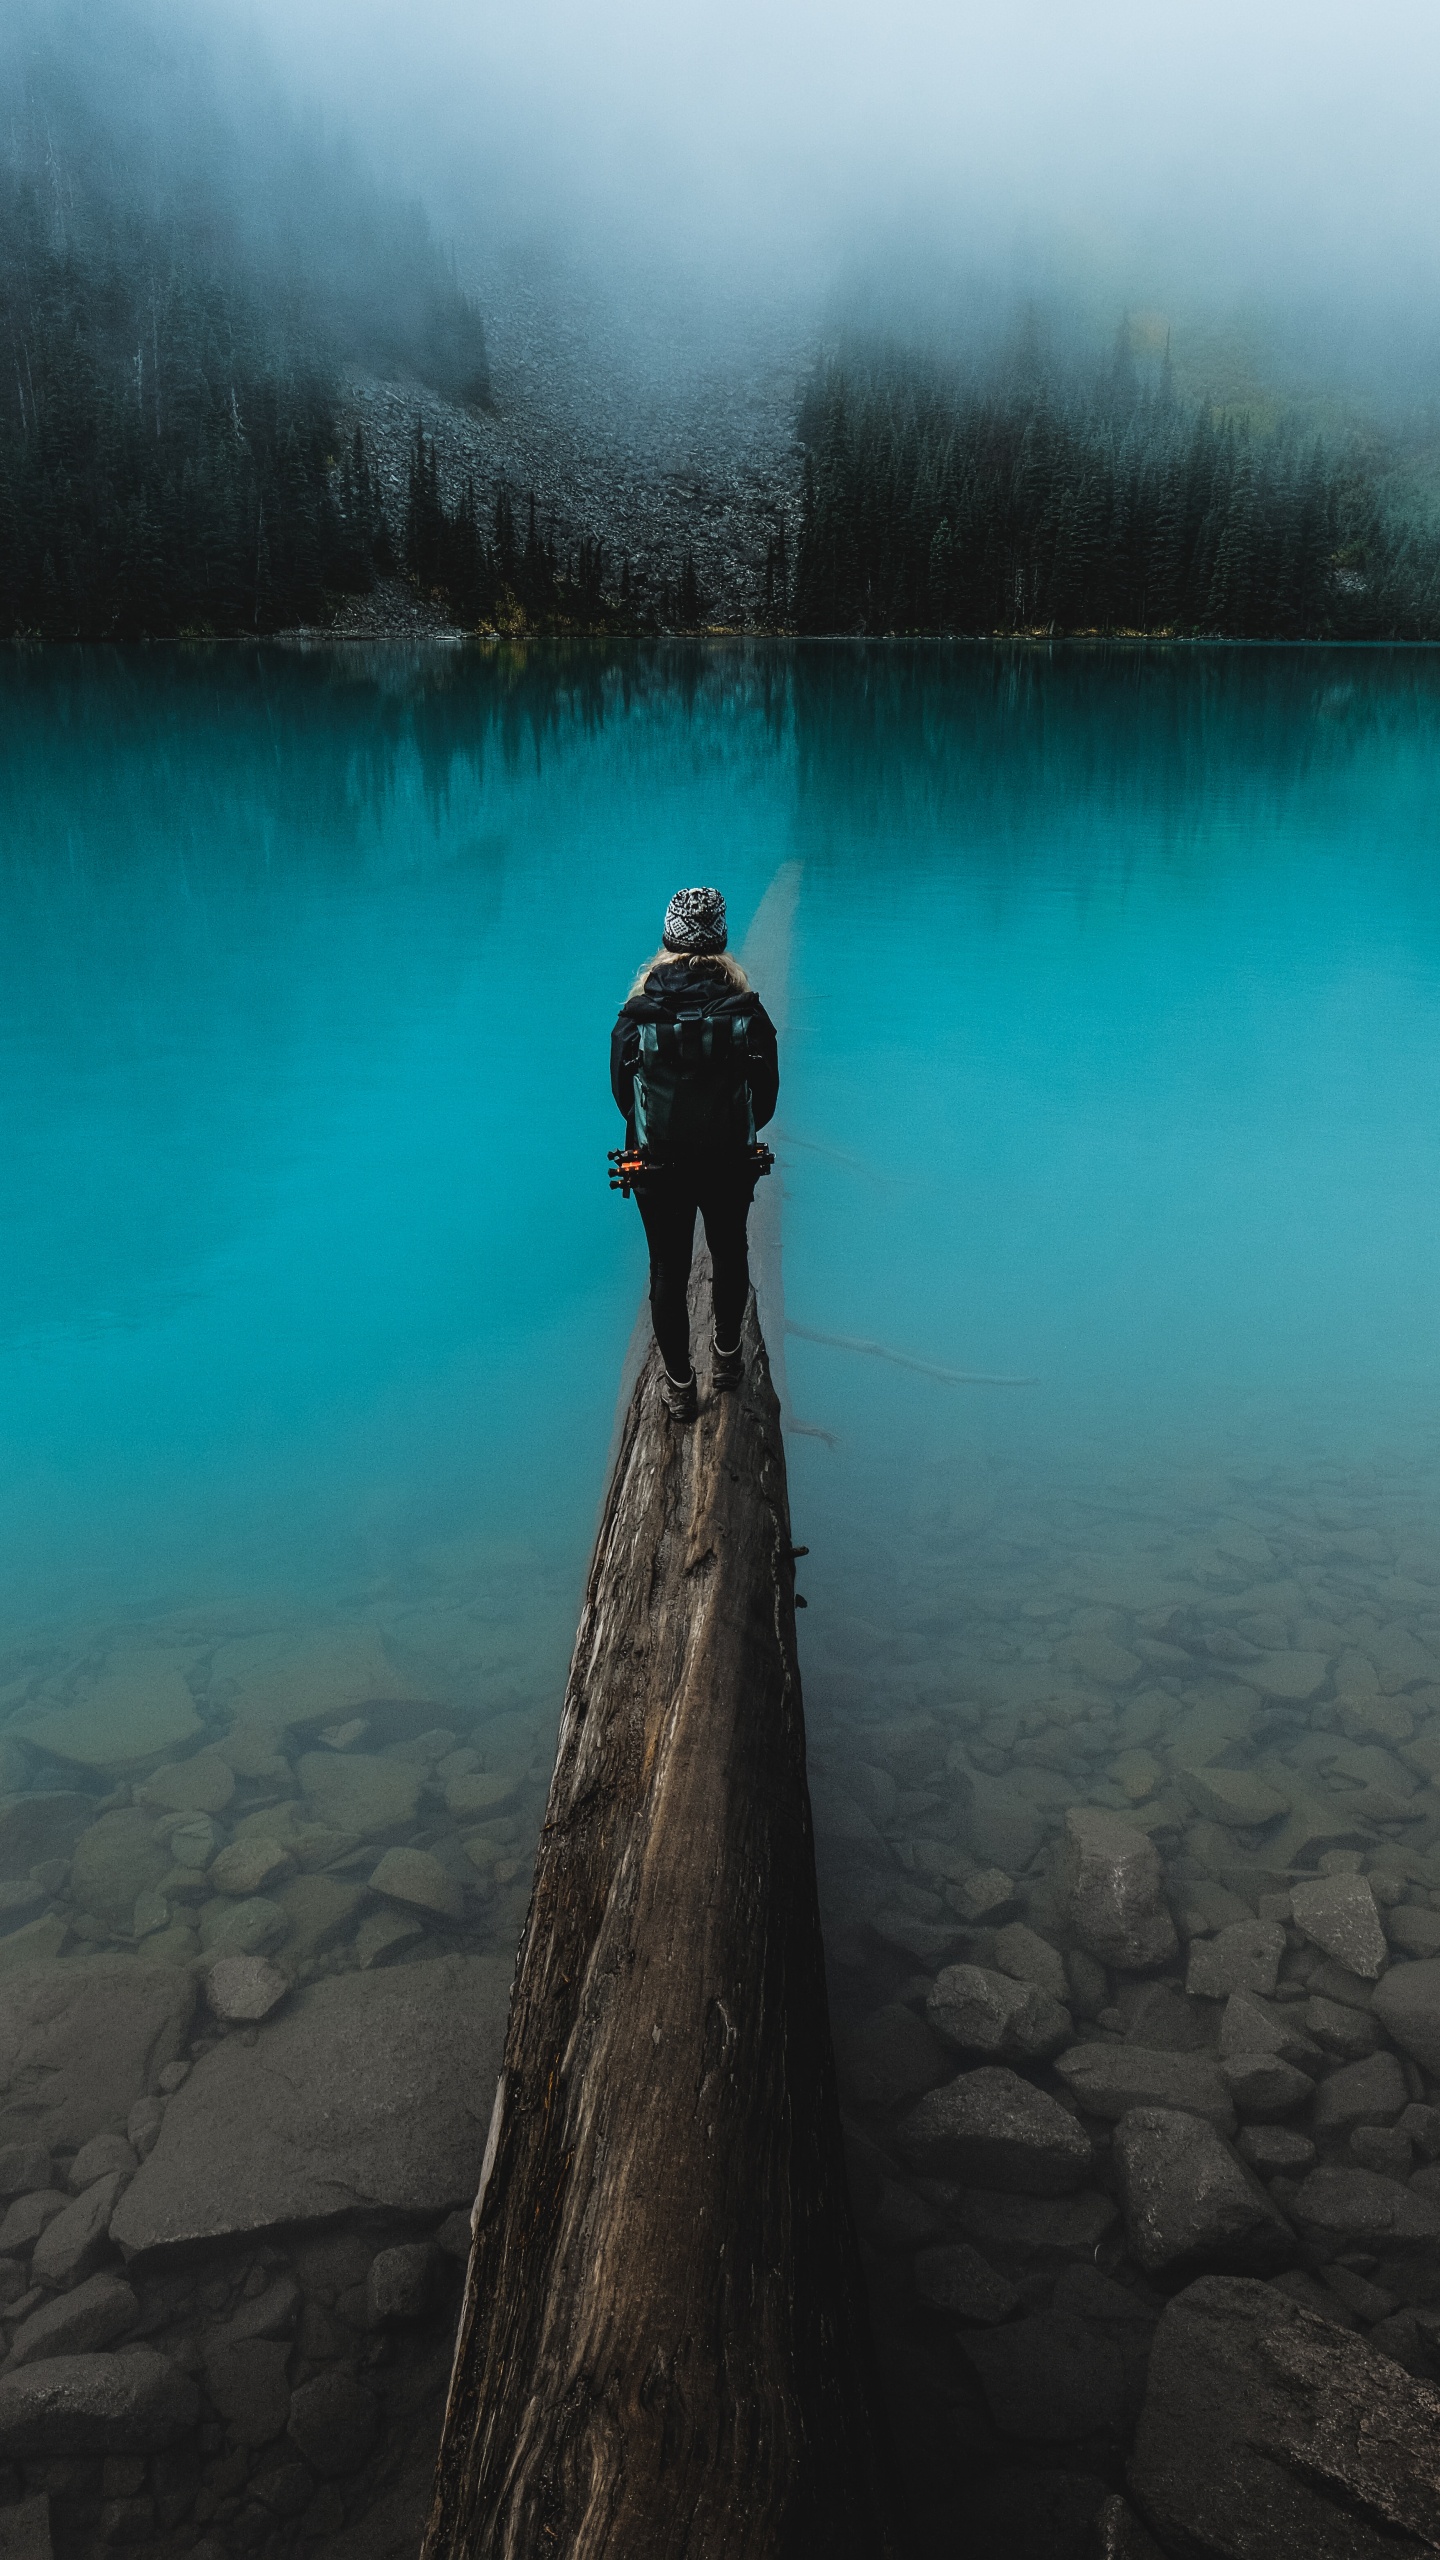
x,y
244,1989
1051,2378
1374,2091
26,2218
371,2089
271,2314
1263,2086
1358,2204
25,2530
36,1828
1114,1886
929,1943
250,1928
142,2126
1089,1986
1381,2147
1035,2232
97,2158
1423,2126
414,1878
1331,1981
992,2129
1024,1954
247,2380
1407,2005
134,2402
1158,2014
1236,1797
1118,2534
1251,2025
1189,2204
1034,2513
453,2236
981,1895
1004,1827
73,2245
955,2278
1339,1914
23,2167
1108,2080
374,1799
1339,2029
401,2283
94,2315
891,2055
80,2041
333,2423
978,2011
1413,1929
1275,2150
1245,1956
1268,2434
117,1859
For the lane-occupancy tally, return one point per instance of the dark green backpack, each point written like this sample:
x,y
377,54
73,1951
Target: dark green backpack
x,y
692,1086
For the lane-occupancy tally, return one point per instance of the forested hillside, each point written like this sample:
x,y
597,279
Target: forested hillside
x,y
1042,500
176,295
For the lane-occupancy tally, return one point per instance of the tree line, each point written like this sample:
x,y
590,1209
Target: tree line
x,y
1041,502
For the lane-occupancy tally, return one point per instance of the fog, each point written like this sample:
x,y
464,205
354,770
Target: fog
x,y
1256,153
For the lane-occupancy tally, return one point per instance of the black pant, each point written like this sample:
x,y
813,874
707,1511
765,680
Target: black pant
x,y
668,1199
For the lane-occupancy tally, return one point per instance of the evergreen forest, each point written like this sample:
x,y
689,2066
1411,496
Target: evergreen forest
x,y
1043,500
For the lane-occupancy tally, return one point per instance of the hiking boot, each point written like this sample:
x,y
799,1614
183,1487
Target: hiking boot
x,y
727,1368
680,1396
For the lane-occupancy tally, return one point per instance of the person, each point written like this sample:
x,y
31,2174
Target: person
x,y
694,1069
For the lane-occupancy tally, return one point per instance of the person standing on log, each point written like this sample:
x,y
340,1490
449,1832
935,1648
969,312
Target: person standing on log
x,y
693,1067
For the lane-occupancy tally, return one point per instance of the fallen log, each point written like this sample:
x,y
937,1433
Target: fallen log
x,y
663,2351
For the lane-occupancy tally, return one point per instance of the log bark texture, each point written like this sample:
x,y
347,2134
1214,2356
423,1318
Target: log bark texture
x,y
663,2352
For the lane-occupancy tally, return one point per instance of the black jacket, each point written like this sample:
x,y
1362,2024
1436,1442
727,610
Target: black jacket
x,y
676,983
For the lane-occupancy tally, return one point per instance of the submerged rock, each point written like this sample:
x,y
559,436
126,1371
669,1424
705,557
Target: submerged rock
x,y
1407,2005
1339,1915
117,1859
955,2278
142,1706
1244,1956
1108,2080
992,2129
983,2012
1190,2204
1268,2434
1114,1887
80,2041
98,2312
76,2405
1050,2378
372,2089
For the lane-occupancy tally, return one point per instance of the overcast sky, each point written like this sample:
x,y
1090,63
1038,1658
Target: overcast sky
x,y
1230,140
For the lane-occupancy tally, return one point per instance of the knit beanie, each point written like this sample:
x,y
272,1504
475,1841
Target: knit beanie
x,y
695,921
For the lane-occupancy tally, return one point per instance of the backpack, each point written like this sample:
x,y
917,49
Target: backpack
x,y
692,1085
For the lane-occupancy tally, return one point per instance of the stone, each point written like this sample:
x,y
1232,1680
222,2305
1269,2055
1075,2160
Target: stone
x,y
891,2055
332,1674
978,2011
75,2242
453,2236
1335,2205
98,2312
142,2126
382,1935
1422,2124
368,2090
1339,2029
34,1828
1315,1826
191,1838
247,2378
248,1866
1004,1827
204,1784
1263,2086
242,1928
1035,2232
72,2406
1243,1957
1235,1797
1338,1914
1034,2513
27,2217
1108,2080
292,1826
96,2158
1024,1954
375,1799
991,2128
271,2314
1158,2014
115,1861
1095,1657
25,2530
23,2166
981,1895
1199,1906
1252,2025
254,1751
1088,1981
1189,2204
955,2278
1268,2434
81,2040
476,1793
1291,1678
1401,1661
320,1911
1380,2146
401,2283
1407,2005
244,1989
143,1706
1137,1774
1050,2378
333,2423
1374,2091
413,1877
1274,2151
1413,1929
1118,2534
1113,1883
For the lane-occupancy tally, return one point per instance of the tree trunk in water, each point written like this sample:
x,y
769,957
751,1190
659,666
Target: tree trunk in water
x,y
663,2352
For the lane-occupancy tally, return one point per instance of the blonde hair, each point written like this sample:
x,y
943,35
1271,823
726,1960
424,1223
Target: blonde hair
x,y
724,961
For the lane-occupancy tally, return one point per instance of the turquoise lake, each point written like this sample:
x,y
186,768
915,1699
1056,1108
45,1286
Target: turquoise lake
x,y
1112,1064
